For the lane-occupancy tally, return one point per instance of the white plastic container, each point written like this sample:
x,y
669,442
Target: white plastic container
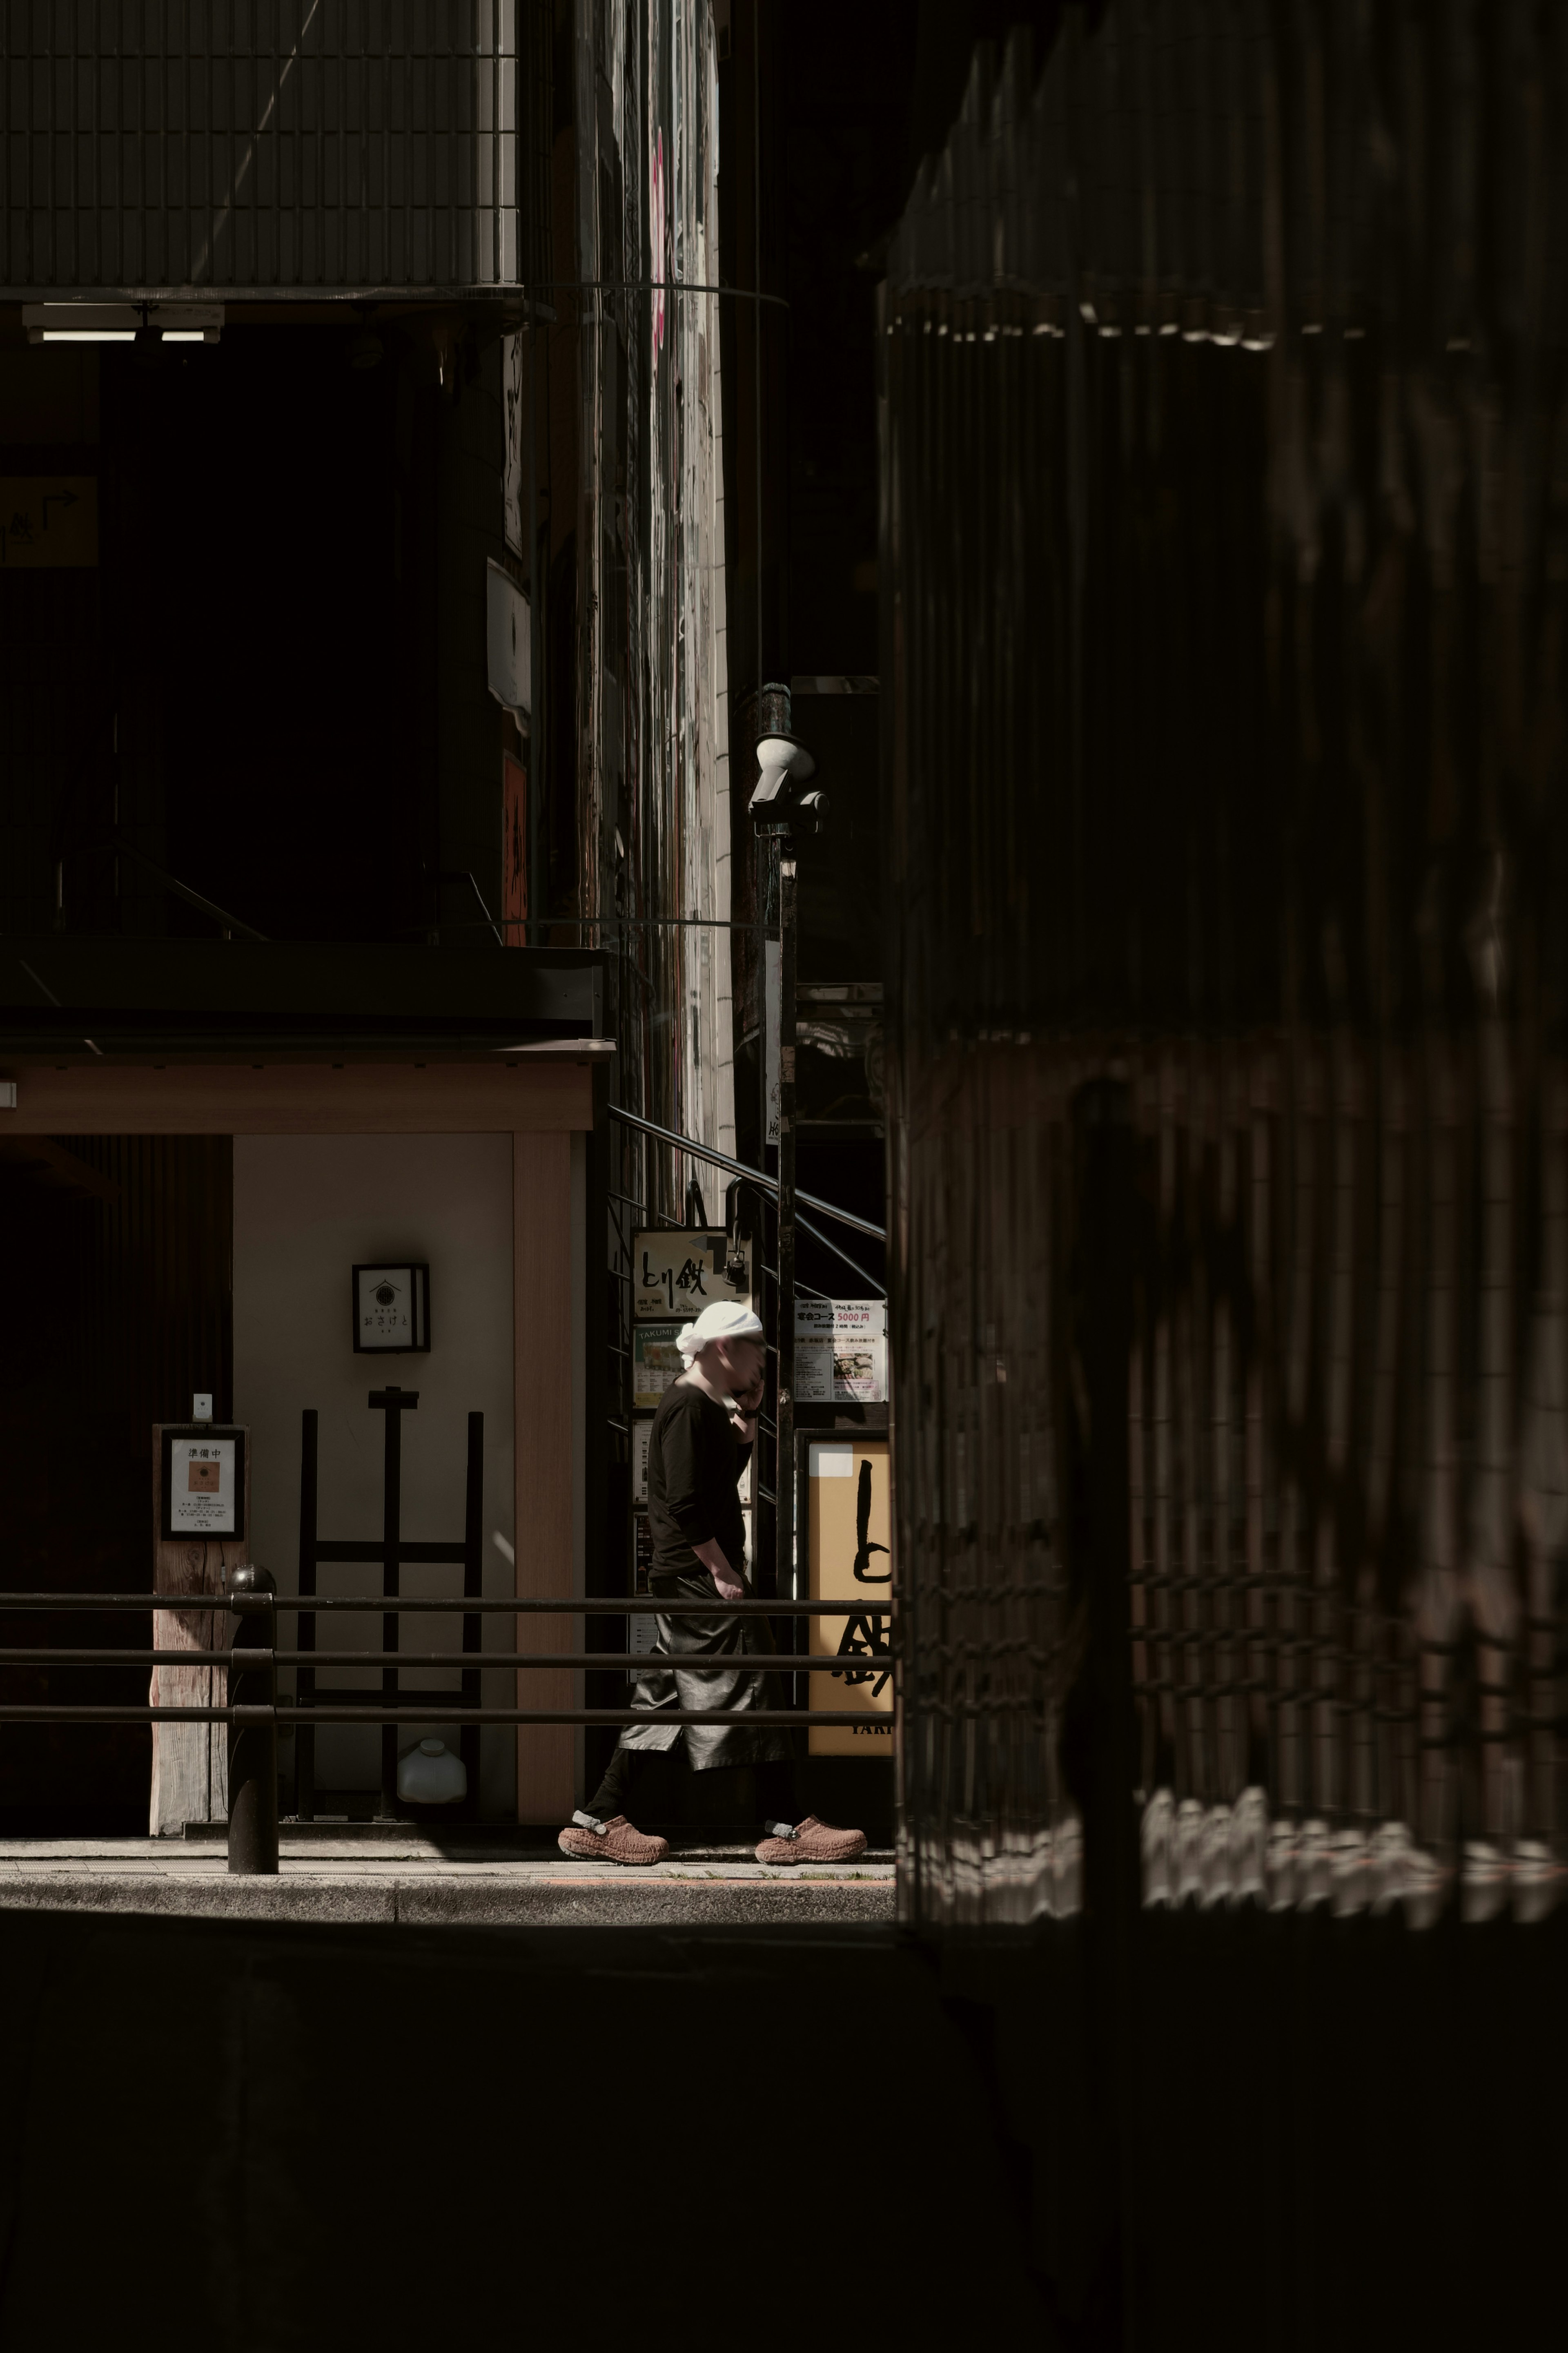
x,y
431,1776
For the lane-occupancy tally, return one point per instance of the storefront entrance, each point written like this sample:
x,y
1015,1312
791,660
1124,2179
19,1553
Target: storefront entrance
x,y
190,1228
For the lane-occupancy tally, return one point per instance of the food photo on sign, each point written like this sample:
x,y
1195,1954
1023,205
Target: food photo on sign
x,y
841,1351
656,1362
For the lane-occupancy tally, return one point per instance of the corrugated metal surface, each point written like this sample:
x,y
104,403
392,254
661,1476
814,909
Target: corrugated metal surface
x,y
1225,394
307,143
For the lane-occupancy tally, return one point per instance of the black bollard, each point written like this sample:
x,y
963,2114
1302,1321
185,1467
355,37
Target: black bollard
x,y
253,1727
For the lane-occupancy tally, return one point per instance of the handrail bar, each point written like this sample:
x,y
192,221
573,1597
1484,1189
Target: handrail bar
x,y
590,1662
773,1718
737,1168
460,1605
254,1712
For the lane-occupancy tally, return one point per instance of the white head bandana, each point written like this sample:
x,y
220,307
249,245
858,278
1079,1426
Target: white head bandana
x,y
727,1319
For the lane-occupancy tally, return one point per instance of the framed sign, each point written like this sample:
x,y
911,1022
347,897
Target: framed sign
x,y
656,1362
643,1633
641,1433
679,1273
849,1539
841,1351
203,1488
391,1310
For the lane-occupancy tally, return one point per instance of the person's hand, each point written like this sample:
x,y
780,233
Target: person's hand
x,y
727,1581
745,1403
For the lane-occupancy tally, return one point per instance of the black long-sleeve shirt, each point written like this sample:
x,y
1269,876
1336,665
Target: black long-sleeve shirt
x,y
694,1460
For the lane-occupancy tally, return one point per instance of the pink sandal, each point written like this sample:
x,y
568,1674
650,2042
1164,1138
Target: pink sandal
x,y
588,1841
811,1841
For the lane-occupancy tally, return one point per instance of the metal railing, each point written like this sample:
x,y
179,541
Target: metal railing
x,y
254,1712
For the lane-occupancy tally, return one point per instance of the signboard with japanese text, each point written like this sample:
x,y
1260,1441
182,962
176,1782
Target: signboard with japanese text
x,y
47,520
642,1629
678,1272
656,1362
391,1310
849,1540
840,1351
203,1483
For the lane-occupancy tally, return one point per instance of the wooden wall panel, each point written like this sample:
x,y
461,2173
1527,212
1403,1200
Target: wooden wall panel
x,y
541,1338
551,1092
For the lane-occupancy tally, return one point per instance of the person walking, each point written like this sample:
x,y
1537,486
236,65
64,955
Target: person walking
x,y
700,1444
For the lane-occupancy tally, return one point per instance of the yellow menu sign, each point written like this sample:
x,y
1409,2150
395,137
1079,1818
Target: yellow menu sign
x,y
48,519
850,1535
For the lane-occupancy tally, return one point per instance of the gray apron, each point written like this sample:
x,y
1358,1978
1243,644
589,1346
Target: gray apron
x,y
699,1665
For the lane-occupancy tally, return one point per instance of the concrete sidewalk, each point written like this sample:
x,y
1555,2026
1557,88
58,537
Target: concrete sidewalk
x,y
409,1882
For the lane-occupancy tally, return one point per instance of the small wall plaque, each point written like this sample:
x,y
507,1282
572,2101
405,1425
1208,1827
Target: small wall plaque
x,y
391,1310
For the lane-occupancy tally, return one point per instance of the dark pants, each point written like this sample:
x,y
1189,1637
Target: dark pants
x,y
730,1793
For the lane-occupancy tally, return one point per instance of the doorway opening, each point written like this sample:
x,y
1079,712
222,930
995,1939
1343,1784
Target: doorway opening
x,y
119,1309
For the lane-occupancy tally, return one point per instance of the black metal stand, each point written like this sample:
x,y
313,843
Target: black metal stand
x,y
253,1745
390,1550
473,1581
305,1677
395,1403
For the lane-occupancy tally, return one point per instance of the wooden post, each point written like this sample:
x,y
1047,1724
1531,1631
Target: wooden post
x,y
542,1415
190,1761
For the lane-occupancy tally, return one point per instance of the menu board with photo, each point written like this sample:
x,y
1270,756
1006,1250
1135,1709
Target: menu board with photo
x,y
656,1362
841,1351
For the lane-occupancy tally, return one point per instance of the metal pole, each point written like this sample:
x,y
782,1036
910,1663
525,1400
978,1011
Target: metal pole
x,y
757,311
764,852
783,1474
305,1678
253,1737
773,845
395,1403
473,1585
